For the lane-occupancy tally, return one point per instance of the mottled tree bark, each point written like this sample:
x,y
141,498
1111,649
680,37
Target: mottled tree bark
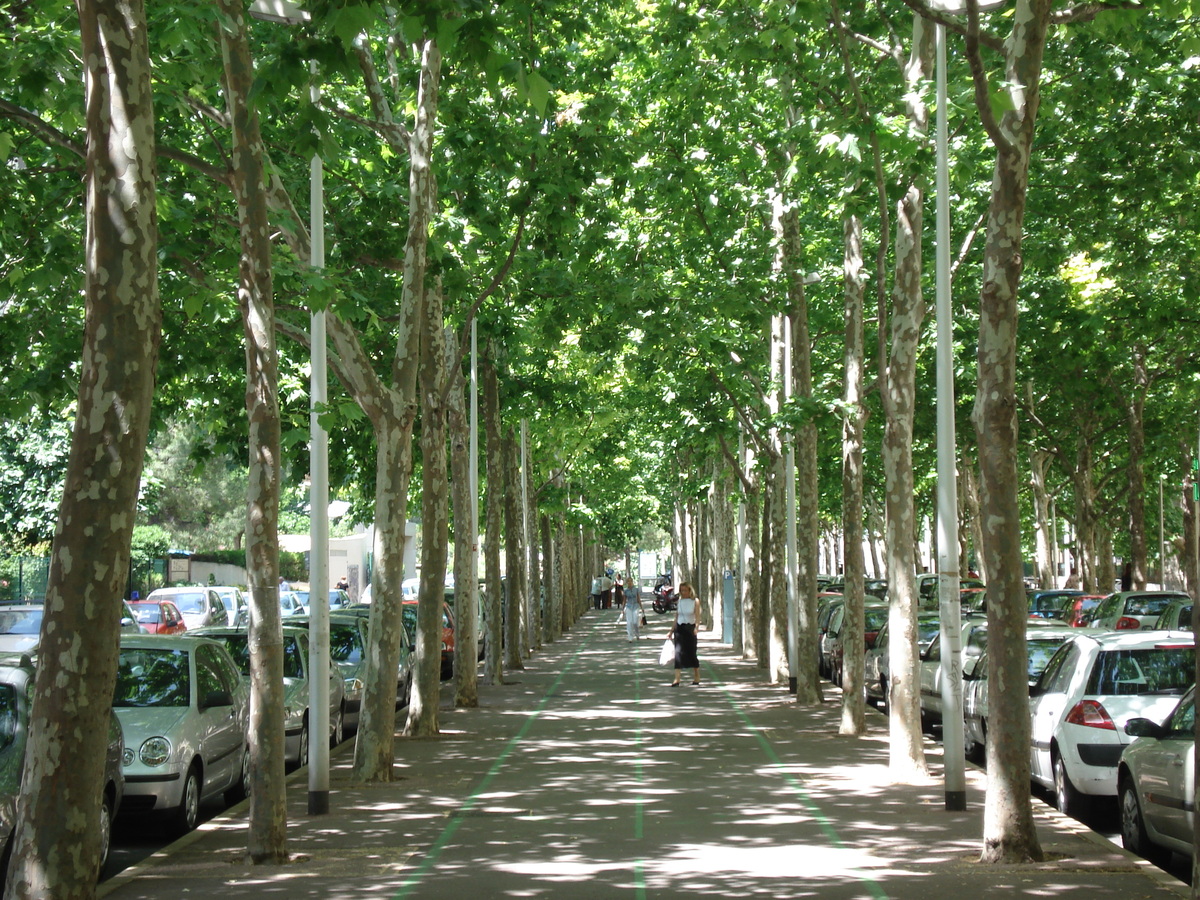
x,y
853,703
514,551
466,580
1136,416
1039,462
268,796
57,833
494,670
435,521
1009,834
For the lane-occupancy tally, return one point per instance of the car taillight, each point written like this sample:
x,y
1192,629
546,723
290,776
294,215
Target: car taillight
x,y
1090,714
1125,623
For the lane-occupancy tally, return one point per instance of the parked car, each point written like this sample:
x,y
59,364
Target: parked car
x,y
290,604
200,605
295,686
826,604
1093,685
1132,610
236,605
974,642
184,709
16,697
877,658
1176,617
21,626
875,616
158,616
1041,643
927,588
1156,784
1051,604
338,599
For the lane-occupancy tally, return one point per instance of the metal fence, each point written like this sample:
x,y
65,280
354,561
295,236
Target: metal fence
x,y
23,579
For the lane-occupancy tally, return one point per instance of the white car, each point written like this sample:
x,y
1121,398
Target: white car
x,y
1092,686
1156,782
200,605
1132,610
185,711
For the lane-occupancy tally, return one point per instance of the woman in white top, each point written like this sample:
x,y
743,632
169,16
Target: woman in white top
x,y
687,620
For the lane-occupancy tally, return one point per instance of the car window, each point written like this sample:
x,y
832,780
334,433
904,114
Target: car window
x,y
1151,670
189,602
238,646
1146,606
148,615
20,621
152,677
1039,653
934,653
874,619
345,643
212,673
292,665
1057,674
1183,721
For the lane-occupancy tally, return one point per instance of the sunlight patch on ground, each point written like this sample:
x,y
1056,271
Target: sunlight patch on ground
x,y
786,861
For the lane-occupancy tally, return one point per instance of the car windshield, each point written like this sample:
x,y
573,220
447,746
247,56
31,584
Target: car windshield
x,y
152,677
20,621
1153,670
345,642
8,714
238,646
148,615
874,619
192,602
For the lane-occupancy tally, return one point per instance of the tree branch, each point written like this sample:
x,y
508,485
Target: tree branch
x,y
952,25
1086,12
983,100
40,127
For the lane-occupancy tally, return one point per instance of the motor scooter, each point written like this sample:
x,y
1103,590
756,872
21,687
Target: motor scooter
x,y
665,599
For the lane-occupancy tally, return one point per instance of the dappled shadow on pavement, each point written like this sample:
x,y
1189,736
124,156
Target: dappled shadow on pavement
x,y
587,776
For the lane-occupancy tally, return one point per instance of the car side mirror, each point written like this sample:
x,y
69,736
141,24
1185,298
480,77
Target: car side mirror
x,y
1141,727
217,698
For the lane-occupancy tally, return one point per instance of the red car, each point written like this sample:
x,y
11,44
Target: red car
x,y
158,616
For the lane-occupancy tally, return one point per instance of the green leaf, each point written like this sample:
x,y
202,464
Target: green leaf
x,y
539,91
349,22
6,145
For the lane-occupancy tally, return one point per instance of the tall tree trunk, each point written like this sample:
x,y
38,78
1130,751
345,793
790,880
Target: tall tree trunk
x,y
1039,462
682,555
1009,833
1189,553
808,689
751,571
56,835
535,601
906,749
970,482
550,581
514,553
1136,413
777,604
393,414
267,836
466,579
762,600
492,616
853,703
1106,566
435,521
1085,517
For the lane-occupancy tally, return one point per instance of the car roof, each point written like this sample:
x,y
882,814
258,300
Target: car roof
x,y
1133,640
186,641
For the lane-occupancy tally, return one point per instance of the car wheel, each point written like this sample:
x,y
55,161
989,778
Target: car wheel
x,y
1133,828
1066,796
339,727
241,788
106,819
188,812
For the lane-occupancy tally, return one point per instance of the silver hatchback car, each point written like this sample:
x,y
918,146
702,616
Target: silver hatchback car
x,y
184,709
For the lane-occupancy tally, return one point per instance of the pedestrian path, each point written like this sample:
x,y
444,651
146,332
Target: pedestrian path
x,y
587,776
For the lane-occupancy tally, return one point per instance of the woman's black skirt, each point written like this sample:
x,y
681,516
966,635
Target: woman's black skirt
x,y
685,647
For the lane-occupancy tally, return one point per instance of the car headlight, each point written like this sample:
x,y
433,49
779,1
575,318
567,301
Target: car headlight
x,y
155,751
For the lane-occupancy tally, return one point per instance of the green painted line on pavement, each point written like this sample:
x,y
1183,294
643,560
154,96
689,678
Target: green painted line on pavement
x,y
794,783
456,820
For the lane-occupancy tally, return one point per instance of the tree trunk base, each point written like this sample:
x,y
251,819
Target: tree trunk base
x,y
1009,852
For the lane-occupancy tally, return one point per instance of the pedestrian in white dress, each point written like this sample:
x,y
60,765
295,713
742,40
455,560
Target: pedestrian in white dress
x,y
633,613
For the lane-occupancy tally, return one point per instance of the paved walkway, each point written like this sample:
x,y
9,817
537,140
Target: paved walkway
x,y
586,776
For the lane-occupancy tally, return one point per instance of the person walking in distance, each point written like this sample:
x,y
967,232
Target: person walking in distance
x,y
633,612
687,620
